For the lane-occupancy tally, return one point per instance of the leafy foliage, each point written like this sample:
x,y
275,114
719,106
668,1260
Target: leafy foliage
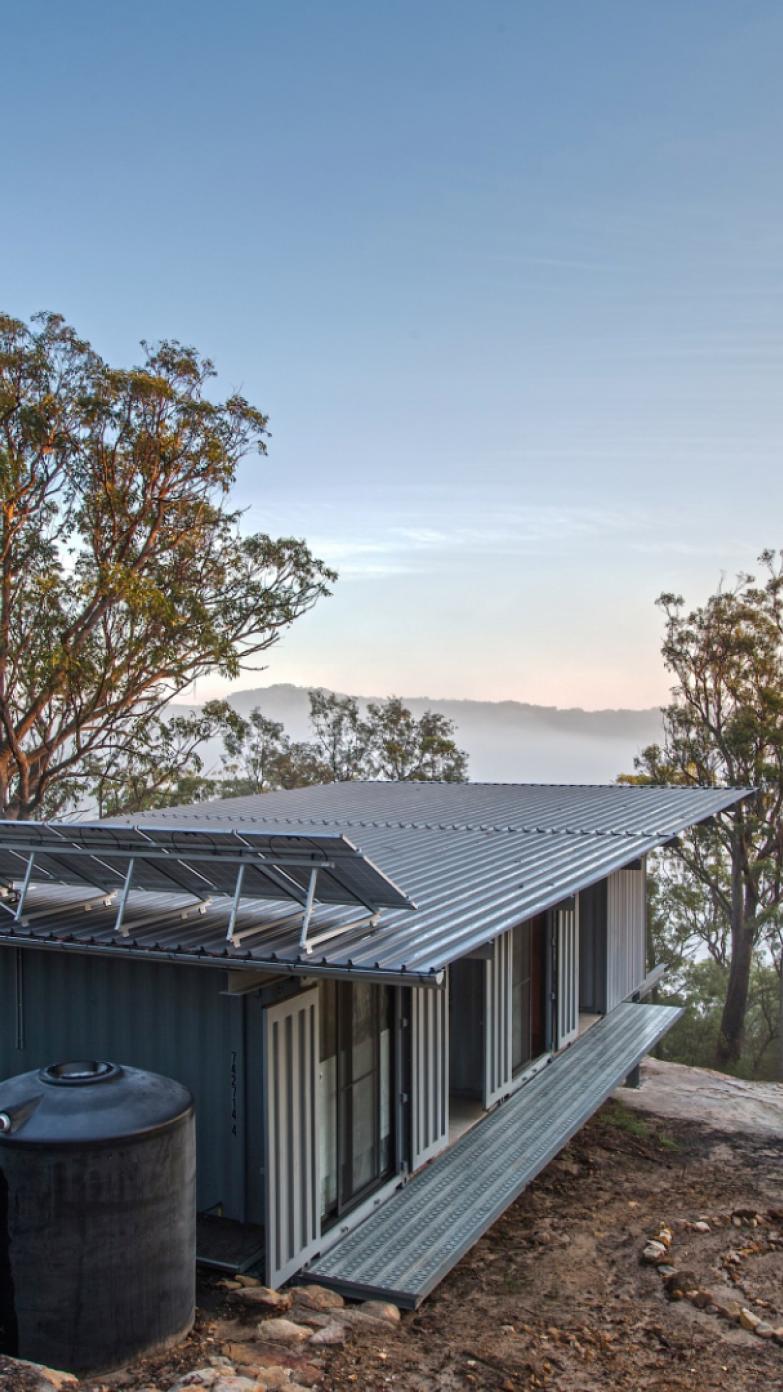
x,y
387,743
260,756
700,986
724,727
123,572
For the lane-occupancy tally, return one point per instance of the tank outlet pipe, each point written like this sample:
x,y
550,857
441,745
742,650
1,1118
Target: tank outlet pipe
x,y
15,1117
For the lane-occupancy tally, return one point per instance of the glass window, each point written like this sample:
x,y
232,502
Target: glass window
x,y
356,1091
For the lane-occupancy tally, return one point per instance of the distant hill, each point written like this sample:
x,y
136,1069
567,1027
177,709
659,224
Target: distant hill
x,y
507,741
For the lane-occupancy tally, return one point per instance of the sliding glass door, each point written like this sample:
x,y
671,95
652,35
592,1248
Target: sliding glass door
x,y
356,1087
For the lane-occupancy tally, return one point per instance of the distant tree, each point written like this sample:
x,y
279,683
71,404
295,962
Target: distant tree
x,y
259,756
341,736
402,747
159,765
724,727
700,986
253,749
123,573
387,743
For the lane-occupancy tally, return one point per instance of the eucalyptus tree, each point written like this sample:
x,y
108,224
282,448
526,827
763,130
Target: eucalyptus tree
x,y
124,575
724,727
387,742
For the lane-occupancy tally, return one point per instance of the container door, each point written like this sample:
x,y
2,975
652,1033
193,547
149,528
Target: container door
x,y
567,930
429,1072
293,1207
497,1020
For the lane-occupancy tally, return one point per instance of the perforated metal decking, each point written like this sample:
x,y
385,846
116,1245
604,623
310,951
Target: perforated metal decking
x,y
414,1239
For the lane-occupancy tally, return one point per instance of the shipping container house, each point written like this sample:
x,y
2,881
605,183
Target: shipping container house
x,y
393,1002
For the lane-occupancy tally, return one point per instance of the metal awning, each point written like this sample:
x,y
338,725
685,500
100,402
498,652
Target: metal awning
x,y
198,862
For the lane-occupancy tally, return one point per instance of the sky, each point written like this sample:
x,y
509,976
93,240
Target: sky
x,y
507,278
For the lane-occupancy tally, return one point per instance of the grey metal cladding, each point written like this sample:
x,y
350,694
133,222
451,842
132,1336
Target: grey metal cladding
x,y
626,925
154,1016
486,857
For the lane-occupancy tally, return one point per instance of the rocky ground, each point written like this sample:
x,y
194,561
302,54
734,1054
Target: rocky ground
x,y
649,1255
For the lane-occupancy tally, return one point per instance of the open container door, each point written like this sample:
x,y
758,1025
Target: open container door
x,y
567,939
497,1020
429,1072
293,1207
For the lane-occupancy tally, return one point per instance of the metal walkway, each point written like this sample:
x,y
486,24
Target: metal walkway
x,y
403,1249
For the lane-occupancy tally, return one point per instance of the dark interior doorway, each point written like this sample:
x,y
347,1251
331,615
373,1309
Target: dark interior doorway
x,y
466,1029
592,949
528,992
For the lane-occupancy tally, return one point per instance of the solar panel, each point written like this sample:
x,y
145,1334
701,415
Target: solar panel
x,y
198,862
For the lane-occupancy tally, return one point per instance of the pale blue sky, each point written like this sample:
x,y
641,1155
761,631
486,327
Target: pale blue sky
x,y
508,278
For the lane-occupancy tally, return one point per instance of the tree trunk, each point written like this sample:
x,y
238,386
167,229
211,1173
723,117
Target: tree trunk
x,y
780,1022
732,1026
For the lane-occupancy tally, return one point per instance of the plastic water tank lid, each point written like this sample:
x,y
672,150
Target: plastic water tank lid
x,y
79,1073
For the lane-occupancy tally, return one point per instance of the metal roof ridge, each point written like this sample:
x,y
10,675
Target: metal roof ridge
x,y
334,825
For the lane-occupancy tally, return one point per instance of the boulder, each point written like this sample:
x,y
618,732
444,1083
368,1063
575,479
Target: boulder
x,y
283,1331
331,1333
235,1382
48,1378
681,1281
274,1379
382,1310
264,1298
215,1380
727,1308
303,1369
701,1299
317,1298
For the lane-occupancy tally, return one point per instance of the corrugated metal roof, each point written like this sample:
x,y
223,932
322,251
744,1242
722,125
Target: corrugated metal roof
x,y
615,809
475,858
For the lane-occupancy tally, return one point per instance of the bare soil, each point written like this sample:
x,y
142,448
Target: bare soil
x,y
555,1295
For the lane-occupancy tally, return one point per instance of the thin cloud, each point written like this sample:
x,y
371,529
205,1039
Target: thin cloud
x,y
406,549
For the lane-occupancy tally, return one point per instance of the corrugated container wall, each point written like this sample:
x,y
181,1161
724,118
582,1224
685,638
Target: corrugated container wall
x,y
56,1006
626,933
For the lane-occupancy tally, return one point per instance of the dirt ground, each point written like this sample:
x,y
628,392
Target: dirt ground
x,y
555,1295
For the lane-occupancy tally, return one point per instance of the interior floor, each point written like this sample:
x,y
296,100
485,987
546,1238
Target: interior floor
x,y
586,1021
226,1244
464,1112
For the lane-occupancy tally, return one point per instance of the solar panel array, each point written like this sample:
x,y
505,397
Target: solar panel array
x,y
201,862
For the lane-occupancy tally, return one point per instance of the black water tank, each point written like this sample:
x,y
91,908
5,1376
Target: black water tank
x,y
97,1215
